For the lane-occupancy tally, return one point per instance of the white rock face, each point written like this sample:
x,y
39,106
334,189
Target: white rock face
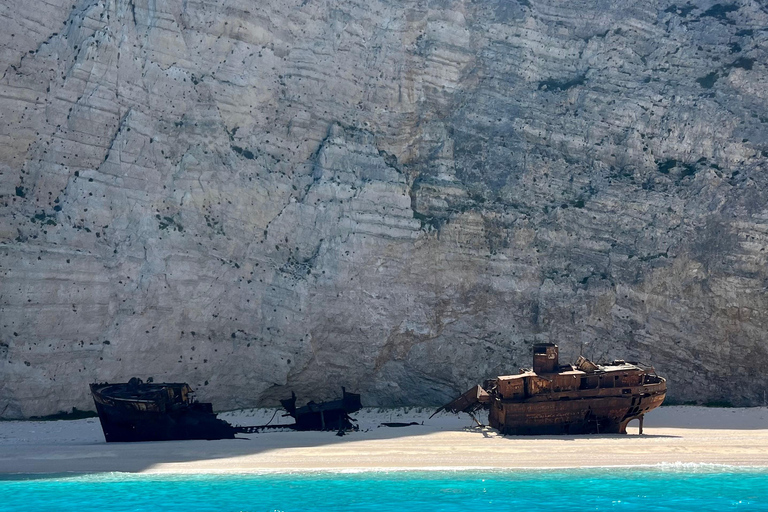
x,y
398,197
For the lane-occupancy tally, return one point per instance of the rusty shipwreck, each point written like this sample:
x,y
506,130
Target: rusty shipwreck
x,y
139,411
331,415
585,398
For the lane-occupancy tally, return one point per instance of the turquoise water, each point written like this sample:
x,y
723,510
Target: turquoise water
x,y
697,488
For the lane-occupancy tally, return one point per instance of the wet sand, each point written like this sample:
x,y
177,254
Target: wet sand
x,y
672,435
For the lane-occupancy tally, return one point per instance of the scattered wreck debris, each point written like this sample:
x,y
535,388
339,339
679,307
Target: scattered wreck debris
x,y
470,401
138,411
585,398
331,415
397,424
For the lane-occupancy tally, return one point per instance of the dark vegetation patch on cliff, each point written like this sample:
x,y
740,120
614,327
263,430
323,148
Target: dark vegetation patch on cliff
x,y
43,218
720,12
166,222
708,81
562,85
683,169
743,63
245,153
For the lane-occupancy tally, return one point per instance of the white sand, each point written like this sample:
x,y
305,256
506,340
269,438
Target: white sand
x,y
673,435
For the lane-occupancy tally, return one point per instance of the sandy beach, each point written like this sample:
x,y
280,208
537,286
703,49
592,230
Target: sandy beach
x,y
672,435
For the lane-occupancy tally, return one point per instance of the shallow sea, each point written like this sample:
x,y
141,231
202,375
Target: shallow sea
x,y
697,488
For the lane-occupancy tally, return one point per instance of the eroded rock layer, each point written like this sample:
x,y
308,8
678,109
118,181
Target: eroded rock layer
x,y
399,197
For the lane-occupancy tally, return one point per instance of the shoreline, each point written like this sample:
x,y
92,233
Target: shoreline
x,y
682,467
674,437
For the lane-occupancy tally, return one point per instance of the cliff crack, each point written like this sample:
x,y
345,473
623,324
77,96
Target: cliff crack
x,y
113,140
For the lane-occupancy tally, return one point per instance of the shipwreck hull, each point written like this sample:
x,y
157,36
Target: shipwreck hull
x,y
596,415
156,418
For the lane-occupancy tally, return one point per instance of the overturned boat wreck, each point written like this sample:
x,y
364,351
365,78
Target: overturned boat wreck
x,y
331,415
138,411
585,398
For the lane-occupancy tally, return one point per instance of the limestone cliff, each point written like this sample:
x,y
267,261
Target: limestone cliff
x,y
258,196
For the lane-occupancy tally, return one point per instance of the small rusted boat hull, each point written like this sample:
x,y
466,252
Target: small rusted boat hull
x,y
156,417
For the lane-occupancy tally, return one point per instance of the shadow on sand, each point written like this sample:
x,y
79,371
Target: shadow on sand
x,y
489,432
79,447
89,453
